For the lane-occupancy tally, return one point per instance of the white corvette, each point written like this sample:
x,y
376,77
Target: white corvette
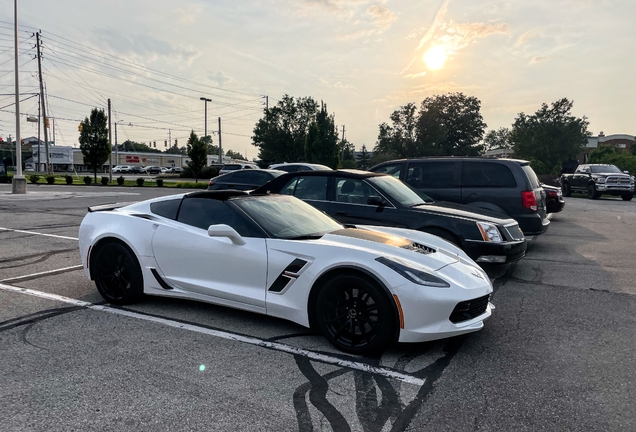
x,y
362,287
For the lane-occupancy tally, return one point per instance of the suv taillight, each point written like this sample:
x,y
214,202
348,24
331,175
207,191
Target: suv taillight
x,y
529,200
211,183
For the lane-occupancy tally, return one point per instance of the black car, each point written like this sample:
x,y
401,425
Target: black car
x,y
554,201
364,198
137,170
243,179
507,186
153,170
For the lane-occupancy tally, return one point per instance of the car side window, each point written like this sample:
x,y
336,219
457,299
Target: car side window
x,y
203,212
242,177
434,174
391,169
289,188
259,177
311,188
353,191
167,209
488,175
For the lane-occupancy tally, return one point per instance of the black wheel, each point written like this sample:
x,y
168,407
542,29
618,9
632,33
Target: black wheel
x,y
591,192
627,197
117,274
565,189
355,315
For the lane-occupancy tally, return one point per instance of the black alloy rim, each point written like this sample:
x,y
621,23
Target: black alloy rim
x,y
351,316
114,270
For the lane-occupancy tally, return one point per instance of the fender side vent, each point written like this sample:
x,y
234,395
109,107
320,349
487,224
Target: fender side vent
x,y
162,282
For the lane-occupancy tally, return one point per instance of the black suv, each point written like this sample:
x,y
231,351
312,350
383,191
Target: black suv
x,y
505,186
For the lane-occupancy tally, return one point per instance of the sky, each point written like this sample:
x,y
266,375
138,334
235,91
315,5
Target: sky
x,y
364,59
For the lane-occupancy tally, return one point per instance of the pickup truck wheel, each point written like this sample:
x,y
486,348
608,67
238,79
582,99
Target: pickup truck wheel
x,y
565,188
627,197
591,192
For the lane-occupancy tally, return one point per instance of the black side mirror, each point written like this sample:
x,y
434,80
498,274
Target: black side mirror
x,y
375,200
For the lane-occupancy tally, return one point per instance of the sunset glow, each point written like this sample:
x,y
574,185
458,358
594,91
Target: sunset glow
x,y
435,58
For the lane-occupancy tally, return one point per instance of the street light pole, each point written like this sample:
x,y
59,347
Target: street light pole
x,y
19,182
116,154
205,103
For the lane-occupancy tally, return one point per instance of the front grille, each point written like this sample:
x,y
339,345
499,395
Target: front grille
x,y
515,232
469,309
617,181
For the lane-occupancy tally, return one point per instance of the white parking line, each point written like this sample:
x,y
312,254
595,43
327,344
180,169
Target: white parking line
x,y
37,233
49,272
389,373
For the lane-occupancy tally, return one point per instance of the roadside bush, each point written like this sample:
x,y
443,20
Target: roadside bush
x,y
192,185
68,179
50,179
88,180
206,173
120,180
5,178
140,181
159,182
33,178
104,181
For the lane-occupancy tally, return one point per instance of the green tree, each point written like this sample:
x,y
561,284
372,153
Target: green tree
x,y
177,150
198,154
451,125
348,159
400,137
551,135
364,159
605,154
497,139
322,139
602,154
134,146
234,155
93,141
282,132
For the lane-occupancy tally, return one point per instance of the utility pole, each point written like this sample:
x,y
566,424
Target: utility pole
x,y
205,109
169,139
342,144
220,145
110,143
266,102
43,104
18,185
39,142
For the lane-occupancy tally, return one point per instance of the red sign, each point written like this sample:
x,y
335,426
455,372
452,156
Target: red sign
x,y
132,159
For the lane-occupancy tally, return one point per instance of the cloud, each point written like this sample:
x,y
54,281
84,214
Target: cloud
x,y
220,79
189,14
382,17
539,59
459,36
524,38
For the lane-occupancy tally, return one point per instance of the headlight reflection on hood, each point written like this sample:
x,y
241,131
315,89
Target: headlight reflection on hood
x,y
489,232
414,275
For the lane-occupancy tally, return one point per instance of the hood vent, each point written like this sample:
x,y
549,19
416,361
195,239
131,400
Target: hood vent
x,y
420,248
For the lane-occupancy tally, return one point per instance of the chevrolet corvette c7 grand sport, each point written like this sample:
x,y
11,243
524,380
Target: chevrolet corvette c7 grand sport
x,y
363,287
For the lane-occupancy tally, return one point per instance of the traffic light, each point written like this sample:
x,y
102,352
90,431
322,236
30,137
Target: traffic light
x,y
79,128
165,143
175,142
154,144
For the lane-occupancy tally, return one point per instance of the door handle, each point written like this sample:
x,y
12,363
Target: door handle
x,y
341,213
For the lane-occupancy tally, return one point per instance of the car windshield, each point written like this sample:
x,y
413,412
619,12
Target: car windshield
x,y
400,192
605,169
287,217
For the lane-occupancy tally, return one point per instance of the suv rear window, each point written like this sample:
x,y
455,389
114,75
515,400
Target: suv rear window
x,y
487,175
534,181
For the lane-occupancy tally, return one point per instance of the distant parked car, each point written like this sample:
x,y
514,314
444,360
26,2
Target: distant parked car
x,y
554,201
243,179
165,170
137,170
176,170
597,180
293,167
122,169
153,170
237,166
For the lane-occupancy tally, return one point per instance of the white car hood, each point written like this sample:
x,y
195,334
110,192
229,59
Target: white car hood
x,y
383,244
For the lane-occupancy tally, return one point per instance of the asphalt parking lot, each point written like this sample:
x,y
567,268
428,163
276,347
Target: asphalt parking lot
x,y
557,354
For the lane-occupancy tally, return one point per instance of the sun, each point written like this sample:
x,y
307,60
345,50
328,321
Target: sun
x,y
435,58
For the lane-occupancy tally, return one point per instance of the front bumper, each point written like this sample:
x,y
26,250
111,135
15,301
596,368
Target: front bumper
x,y
614,189
507,251
532,224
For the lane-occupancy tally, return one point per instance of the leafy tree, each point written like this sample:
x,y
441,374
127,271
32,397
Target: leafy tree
x,y
198,154
497,139
322,139
134,146
451,124
551,135
93,141
448,124
348,158
601,154
177,150
234,155
364,159
282,132
607,155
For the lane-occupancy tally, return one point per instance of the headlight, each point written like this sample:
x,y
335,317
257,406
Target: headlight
x,y
417,276
489,232
601,179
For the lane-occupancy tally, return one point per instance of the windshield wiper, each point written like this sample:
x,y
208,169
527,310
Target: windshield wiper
x,y
306,237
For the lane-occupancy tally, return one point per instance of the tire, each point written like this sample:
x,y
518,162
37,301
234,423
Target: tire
x,y
565,189
355,315
117,274
627,197
591,192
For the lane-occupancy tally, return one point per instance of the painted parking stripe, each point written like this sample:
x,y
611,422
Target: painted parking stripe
x,y
37,233
389,373
44,273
